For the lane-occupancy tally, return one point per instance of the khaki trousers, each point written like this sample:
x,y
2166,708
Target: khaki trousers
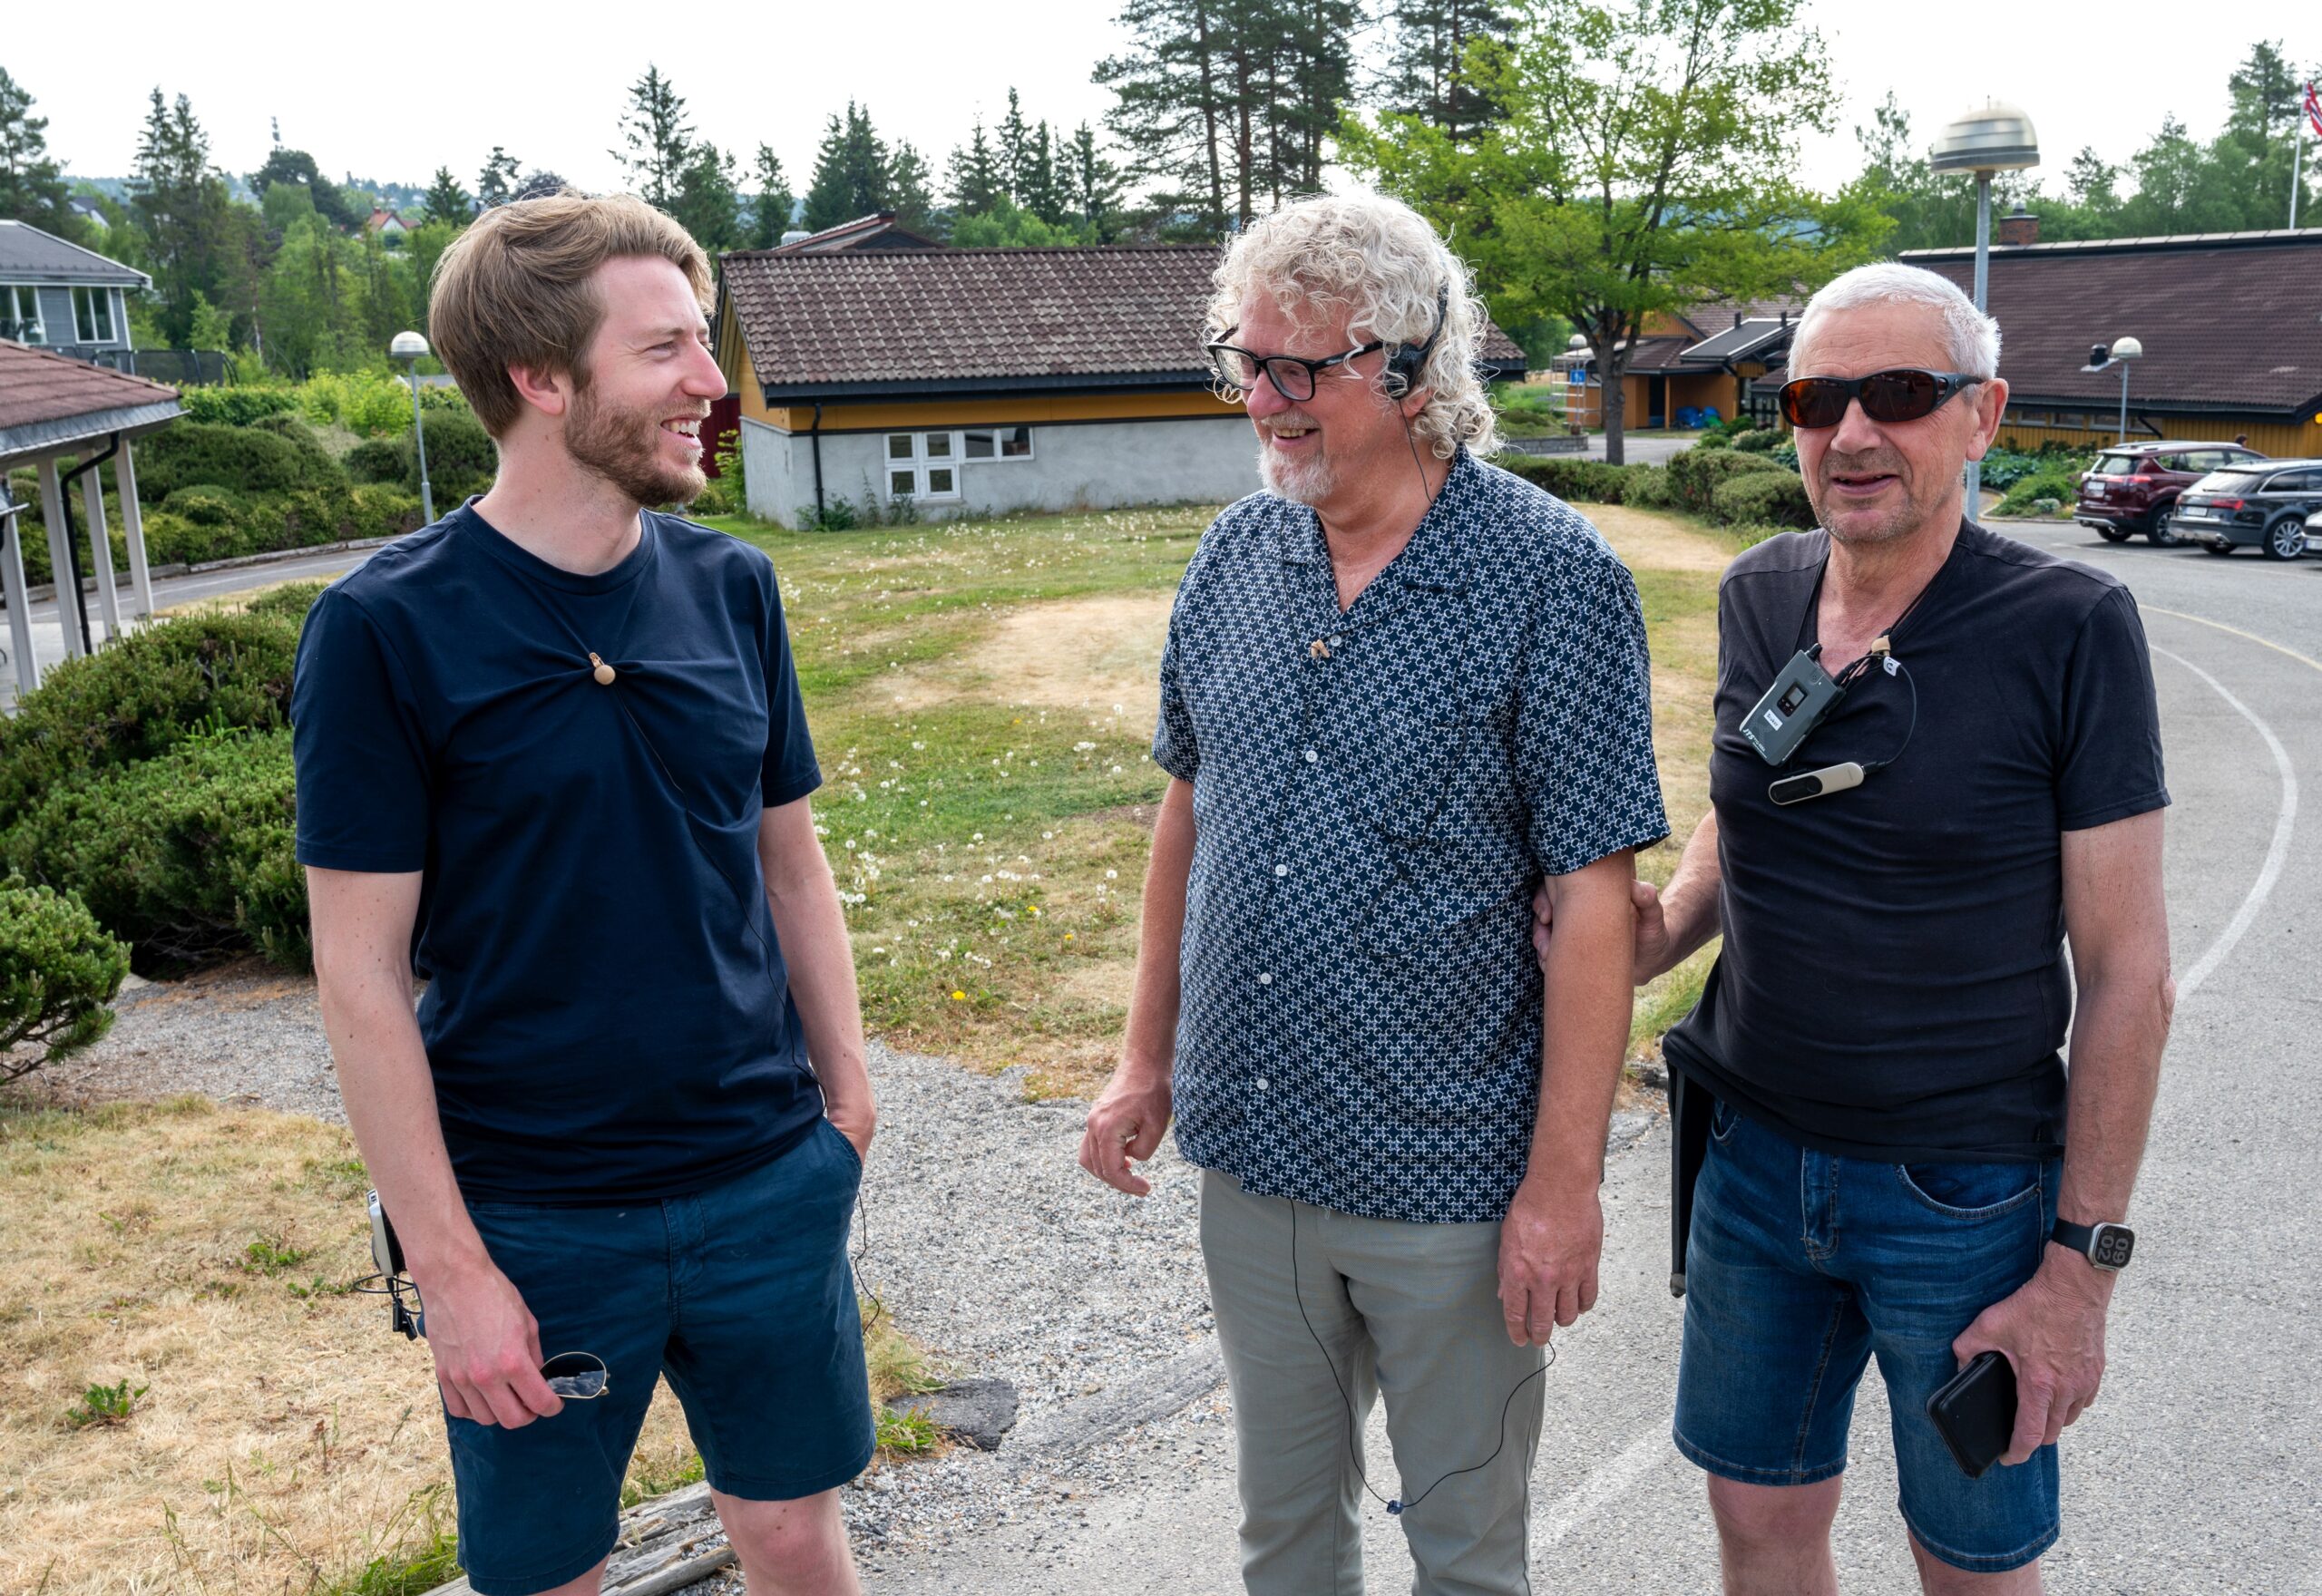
x,y
1407,1311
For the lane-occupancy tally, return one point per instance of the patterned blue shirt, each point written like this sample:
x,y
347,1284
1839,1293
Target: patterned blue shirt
x,y
1376,792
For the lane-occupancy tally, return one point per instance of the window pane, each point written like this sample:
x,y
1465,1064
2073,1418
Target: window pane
x,y
939,445
84,317
900,483
899,446
978,444
104,314
939,479
1016,444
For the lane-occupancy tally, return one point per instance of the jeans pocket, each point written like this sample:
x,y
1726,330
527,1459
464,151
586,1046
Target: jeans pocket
x,y
848,1144
1970,1191
1721,1121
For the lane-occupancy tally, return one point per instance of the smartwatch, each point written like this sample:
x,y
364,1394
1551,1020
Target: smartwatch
x,y
2106,1246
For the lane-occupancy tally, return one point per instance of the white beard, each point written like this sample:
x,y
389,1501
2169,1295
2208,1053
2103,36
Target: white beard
x,y
1303,482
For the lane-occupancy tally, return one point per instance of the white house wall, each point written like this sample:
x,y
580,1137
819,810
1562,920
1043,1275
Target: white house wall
x,y
1097,465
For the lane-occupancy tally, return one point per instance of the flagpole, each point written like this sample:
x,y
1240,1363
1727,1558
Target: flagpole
x,y
2297,174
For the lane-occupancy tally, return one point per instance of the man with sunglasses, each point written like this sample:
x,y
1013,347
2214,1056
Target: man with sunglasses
x,y
1897,1162
1399,687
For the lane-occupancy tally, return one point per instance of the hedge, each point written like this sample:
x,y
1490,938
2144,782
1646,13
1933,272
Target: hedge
x,y
1576,482
58,970
375,460
1694,474
237,407
250,460
1766,498
461,459
187,856
144,695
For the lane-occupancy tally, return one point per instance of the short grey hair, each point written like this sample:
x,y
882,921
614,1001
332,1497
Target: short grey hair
x,y
1973,336
1378,260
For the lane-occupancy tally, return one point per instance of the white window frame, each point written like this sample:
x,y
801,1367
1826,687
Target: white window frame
x,y
997,431
100,301
38,334
919,463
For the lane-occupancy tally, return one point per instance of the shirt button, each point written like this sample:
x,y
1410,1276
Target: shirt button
x,y
1312,756
1265,977
1262,1083
1282,870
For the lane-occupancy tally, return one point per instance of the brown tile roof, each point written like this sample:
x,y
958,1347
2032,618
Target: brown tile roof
x,y
37,387
1652,354
916,318
2229,322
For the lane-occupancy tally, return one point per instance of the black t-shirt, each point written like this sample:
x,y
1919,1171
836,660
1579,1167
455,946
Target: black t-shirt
x,y
1892,983
609,1017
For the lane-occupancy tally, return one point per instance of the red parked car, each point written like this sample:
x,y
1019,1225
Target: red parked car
x,y
2133,487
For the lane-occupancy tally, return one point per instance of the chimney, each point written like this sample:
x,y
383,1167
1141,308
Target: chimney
x,y
2019,227
1736,318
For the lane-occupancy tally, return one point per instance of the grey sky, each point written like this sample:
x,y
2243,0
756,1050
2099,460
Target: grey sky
x,y
391,92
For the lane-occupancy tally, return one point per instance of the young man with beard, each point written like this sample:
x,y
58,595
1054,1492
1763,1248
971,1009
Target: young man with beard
x,y
551,752
1401,687
1898,1164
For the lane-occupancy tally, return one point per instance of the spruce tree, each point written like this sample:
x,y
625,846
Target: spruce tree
x,y
187,216
660,139
770,217
851,168
1096,187
1015,150
709,200
31,184
975,181
496,183
909,193
445,201
1043,194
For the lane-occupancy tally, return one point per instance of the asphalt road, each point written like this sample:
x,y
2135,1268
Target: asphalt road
x,y
2198,1469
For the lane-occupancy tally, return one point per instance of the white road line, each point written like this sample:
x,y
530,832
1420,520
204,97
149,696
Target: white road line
x,y
1606,1482
2277,855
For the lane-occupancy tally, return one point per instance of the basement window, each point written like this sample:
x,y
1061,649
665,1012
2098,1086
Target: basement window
x,y
996,443
921,465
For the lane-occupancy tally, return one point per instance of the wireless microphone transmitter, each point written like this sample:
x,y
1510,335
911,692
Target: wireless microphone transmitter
x,y
1793,707
1814,784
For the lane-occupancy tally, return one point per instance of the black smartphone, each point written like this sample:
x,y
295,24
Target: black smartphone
x,y
1974,1412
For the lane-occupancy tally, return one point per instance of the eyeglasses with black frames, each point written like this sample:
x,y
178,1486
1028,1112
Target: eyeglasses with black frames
x,y
1904,393
1293,377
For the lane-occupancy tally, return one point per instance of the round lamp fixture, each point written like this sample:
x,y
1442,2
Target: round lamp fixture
x,y
1577,341
1991,137
407,347
2126,348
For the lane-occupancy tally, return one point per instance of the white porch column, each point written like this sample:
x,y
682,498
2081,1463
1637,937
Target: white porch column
x,y
133,526
92,493
59,561
20,608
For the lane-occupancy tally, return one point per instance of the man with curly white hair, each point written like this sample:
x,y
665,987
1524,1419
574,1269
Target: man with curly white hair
x,y
1402,687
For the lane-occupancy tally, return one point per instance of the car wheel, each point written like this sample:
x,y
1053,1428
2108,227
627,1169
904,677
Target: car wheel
x,y
2158,531
2112,534
2285,539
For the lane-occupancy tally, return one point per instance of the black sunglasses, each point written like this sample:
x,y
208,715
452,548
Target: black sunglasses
x,y
1292,378
1905,393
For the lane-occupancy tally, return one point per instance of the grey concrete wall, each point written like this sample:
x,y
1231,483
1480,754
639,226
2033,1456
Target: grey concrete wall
x,y
1105,465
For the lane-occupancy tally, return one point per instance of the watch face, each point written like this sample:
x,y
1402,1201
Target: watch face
x,y
2114,1243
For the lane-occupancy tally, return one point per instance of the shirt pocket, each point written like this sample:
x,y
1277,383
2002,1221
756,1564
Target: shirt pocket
x,y
1409,763
1448,974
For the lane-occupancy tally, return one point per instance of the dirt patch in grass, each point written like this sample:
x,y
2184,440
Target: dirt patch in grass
x,y
1091,653
283,1440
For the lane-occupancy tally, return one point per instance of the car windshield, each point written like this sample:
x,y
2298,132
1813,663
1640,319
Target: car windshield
x,y
2113,463
2228,482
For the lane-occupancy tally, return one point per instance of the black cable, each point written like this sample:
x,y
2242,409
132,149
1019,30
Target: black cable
x,y
1396,1506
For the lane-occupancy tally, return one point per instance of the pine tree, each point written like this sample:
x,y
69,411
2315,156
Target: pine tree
x,y
770,218
1043,193
1015,150
1096,187
975,180
909,193
496,183
538,183
709,200
445,201
1426,71
659,138
183,209
851,168
31,184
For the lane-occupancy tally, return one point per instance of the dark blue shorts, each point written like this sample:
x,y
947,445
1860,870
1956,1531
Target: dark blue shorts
x,y
1803,1264
740,1294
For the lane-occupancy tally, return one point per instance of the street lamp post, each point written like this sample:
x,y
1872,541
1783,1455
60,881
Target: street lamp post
x,y
408,347
1986,140
2123,351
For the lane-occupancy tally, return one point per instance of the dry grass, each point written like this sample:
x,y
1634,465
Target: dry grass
x,y
286,1441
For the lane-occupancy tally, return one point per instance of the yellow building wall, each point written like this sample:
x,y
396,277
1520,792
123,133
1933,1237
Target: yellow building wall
x,y
2299,440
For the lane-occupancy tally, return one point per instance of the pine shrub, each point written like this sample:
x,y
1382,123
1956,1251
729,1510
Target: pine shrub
x,y
1694,474
1764,498
58,970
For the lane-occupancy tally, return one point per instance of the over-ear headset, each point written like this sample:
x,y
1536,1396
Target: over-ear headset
x,y
1401,374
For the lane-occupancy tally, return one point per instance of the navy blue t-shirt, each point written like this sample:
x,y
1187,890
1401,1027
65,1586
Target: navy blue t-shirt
x,y
1893,984
607,1016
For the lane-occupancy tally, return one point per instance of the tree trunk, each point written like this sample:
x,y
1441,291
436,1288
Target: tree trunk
x,y
1613,364
1209,114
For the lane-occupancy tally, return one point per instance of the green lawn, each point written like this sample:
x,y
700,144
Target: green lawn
x,y
981,695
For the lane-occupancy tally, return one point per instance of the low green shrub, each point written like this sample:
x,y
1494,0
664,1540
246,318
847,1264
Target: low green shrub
x,y
205,504
1758,440
375,460
237,407
290,601
1713,441
1648,488
187,855
251,460
144,695
461,459
2053,488
2006,467
1764,498
58,970
1694,474
1574,480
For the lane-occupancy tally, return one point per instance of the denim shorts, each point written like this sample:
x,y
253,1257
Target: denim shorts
x,y
1800,1266
741,1295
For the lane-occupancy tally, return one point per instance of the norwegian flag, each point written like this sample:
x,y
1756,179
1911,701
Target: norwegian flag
x,y
2313,108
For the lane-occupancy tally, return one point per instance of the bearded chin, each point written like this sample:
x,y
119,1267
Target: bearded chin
x,y
624,448
1303,481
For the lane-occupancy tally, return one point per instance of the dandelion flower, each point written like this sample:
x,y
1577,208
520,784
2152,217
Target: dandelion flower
x,y
959,997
